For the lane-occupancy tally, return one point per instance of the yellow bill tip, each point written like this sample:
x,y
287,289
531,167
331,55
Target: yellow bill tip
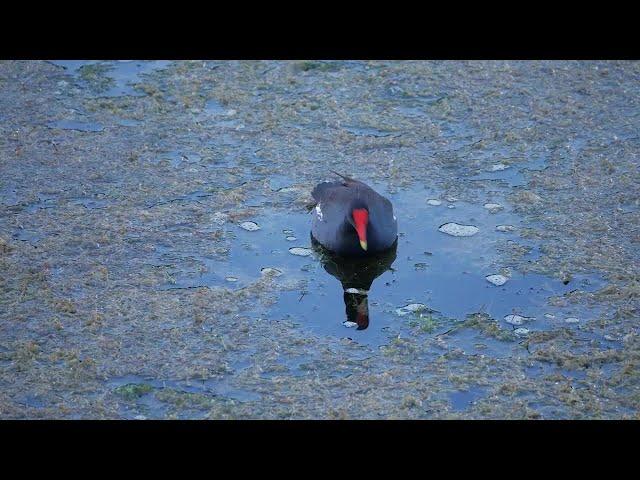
x,y
363,244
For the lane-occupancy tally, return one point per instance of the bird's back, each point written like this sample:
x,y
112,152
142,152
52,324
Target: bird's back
x,y
334,201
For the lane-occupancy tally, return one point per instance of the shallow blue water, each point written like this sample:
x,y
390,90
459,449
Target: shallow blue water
x,y
445,273
123,73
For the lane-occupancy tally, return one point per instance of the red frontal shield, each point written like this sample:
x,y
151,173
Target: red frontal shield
x,y
361,219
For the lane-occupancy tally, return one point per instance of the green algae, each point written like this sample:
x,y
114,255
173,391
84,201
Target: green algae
x,y
94,75
488,326
132,391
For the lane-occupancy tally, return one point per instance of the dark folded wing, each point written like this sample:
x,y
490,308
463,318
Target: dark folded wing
x,y
327,191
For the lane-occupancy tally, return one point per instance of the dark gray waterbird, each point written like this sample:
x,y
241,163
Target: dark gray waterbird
x,y
351,219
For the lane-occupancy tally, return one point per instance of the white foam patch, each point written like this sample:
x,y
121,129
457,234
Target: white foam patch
x,y
497,280
517,319
273,272
412,308
300,251
458,230
319,212
493,207
250,226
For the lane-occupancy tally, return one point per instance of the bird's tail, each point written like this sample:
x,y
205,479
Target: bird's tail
x,y
344,177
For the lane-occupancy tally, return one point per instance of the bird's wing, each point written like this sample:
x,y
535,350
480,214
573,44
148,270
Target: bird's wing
x,y
327,191
346,180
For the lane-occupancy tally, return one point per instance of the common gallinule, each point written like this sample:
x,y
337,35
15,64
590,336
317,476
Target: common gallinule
x,y
351,219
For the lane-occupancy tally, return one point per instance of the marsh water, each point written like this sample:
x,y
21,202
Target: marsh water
x,y
157,258
443,273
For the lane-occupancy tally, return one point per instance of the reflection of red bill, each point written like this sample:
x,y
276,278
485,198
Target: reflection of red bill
x,y
362,320
362,317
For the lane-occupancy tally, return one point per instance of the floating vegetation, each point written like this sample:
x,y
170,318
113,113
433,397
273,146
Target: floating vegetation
x,y
133,391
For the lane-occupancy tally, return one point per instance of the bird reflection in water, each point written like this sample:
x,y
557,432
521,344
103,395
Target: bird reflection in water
x,y
356,275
